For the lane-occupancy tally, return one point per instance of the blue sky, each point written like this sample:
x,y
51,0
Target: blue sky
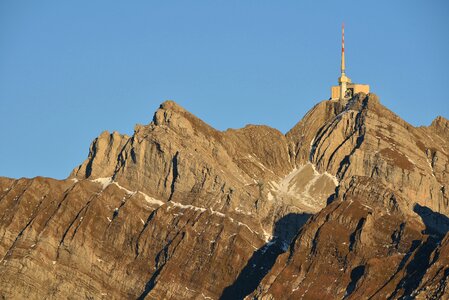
x,y
71,69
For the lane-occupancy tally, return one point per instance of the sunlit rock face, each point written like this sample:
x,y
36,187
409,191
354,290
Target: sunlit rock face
x,y
351,203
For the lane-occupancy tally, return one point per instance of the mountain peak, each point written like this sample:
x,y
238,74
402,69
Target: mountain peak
x,y
237,198
440,122
177,118
440,126
171,105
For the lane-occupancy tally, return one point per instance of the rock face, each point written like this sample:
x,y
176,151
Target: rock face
x,y
352,203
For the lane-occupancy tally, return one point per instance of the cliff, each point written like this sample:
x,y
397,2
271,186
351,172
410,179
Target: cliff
x,y
351,203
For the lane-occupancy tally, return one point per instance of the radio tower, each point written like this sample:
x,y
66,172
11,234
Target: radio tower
x,y
343,80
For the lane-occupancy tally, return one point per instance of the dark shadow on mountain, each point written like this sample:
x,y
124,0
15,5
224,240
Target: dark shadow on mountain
x,y
288,226
264,258
404,260
416,268
149,285
436,223
160,261
356,274
334,196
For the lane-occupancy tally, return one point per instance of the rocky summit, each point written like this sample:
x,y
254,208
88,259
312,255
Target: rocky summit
x,y
351,203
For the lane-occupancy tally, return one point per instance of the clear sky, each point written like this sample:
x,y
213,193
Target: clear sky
x,y
71,69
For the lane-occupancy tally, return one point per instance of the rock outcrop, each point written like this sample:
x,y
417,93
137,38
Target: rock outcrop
x,y
351,203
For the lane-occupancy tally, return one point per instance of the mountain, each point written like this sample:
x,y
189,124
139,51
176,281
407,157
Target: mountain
x,y
351,203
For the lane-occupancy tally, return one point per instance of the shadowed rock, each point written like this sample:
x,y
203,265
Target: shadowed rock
x,y
264,258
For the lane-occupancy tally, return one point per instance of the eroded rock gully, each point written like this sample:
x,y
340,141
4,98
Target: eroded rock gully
x,y
351,203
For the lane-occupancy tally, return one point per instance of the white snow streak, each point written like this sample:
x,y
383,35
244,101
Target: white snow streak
x,y
151,200
122,188
105,181
188,206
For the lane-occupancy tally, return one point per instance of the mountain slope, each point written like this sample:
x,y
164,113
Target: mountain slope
x,y
352,202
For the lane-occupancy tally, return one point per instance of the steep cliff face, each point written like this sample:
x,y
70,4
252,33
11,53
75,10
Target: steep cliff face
x,y
178,157
383,227
364,138
350,203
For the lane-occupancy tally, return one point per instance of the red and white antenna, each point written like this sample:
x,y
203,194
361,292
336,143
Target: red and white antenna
x,y
343,48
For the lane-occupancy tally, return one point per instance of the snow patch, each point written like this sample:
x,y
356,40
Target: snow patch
x,y
122,188
151,200
369,207
333,178
243,224
409,159
256,161
302,196
188,206
315,172
267,236
218,213
104,181
237,209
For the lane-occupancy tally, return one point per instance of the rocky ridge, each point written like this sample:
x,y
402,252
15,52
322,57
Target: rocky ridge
x,y
351,203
